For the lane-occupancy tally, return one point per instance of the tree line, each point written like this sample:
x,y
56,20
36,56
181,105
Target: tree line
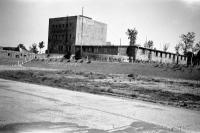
x,y
34,47
185,45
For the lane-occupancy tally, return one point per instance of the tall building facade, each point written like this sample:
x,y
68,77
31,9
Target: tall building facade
x,y
67,32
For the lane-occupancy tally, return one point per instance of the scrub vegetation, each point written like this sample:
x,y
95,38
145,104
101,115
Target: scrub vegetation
x,y
163,90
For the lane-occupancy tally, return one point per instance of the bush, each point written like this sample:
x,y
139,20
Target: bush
x,y
110,90
67,56
78,55
133,95
134,76
89,61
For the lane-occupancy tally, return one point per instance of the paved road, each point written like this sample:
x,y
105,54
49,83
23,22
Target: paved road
x,y
33,108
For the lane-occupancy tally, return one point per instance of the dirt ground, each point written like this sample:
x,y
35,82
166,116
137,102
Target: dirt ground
x,y
158,84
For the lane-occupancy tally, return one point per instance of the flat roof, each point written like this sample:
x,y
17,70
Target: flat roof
x,y
70,17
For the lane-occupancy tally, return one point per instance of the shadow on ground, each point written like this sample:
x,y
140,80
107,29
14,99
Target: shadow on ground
x,y
64,127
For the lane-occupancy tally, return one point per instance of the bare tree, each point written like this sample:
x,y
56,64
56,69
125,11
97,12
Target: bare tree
x,y
41,45
132,36
166,47
187,41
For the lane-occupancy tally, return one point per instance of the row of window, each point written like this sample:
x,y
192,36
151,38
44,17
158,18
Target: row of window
x,y
161,54
61,25
60,31
59,37
16,55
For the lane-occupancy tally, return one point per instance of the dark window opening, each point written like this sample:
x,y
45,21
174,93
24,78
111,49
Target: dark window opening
x,y
17,56
143,51
161,55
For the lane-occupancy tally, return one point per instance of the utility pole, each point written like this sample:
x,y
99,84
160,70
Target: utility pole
x,y
66,41
82,33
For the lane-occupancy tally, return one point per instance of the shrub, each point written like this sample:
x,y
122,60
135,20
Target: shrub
x,y
134,76
89,61
110,90
67,56
133,95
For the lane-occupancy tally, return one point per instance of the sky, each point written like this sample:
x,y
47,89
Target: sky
x,y
163,21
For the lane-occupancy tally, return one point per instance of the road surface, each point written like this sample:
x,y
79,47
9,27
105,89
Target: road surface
x,y
26,108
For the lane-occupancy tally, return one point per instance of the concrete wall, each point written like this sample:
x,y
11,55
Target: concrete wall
x,y
182,60
106,57
122,51
93,32
144,54
109,50
66,32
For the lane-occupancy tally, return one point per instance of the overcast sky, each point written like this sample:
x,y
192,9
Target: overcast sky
x,y
163,21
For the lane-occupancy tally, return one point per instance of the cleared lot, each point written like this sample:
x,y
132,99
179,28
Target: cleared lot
x,y
178,93
35,108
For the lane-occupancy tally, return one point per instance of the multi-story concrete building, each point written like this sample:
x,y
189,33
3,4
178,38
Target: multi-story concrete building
x,y
67,32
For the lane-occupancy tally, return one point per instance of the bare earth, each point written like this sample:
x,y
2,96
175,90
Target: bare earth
x,y
29,108
176,92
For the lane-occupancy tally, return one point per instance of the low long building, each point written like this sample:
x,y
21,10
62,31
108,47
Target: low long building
x,y
15,53
134,53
